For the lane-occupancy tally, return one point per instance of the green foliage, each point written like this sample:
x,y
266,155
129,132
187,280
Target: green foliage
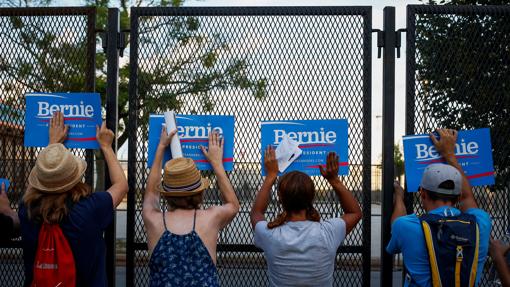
x,y
57,65
399,160
463,65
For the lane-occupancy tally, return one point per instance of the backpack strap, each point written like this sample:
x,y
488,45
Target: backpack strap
x,y
474,266
434,269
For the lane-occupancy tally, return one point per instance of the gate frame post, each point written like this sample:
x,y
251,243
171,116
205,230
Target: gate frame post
x,y
388,135
112,92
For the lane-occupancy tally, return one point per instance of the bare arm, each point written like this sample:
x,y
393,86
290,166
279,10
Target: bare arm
x,y
352,211
264,194
119,186
6,209
446,147
498,251
399,208
151,196
214,154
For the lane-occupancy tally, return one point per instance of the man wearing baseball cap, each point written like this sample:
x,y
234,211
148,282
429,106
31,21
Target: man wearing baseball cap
x,y
446,246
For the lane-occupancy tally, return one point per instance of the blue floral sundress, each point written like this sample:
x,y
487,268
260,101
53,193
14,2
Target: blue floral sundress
x,y
182,260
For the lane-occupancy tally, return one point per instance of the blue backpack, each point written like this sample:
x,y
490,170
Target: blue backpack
x,y
452,245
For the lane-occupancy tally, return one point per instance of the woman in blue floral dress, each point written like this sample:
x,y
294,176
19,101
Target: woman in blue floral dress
x,y
182,240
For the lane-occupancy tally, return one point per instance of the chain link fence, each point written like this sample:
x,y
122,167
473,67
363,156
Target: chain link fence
x,y
256,64
458,75
41,50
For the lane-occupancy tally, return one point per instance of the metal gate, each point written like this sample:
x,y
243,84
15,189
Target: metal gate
x,y
458,75
256,64
43,50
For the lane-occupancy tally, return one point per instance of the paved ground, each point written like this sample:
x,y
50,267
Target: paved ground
x,y
236,279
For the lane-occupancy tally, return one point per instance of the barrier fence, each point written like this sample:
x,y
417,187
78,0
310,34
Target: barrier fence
x,y
457,77
44,50
256,64
261,64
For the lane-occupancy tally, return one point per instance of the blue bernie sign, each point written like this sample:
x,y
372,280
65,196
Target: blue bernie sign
x,y
193,131
316,138
82,112
473,151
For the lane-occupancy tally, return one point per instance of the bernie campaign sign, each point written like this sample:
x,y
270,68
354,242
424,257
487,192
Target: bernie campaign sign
x,y
193,132
316,138
473,151
82,113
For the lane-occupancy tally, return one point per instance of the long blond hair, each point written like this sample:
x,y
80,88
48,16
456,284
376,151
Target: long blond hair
x,y
52,208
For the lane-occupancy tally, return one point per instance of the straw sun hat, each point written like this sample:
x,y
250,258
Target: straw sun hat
x,y
182,178
56,170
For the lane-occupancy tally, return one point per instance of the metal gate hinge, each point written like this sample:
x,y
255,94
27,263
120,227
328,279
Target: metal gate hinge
x,y
122,40
381,44
380,41
398,40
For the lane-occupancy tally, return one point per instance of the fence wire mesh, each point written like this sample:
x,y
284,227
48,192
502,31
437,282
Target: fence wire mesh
x,y
256,64
458,70
41,50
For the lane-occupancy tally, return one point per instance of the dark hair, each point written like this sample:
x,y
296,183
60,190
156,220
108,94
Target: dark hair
x,y
296,192
184,202
448,184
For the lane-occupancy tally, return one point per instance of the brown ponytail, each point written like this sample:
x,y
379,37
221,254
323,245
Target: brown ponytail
x,y
296,192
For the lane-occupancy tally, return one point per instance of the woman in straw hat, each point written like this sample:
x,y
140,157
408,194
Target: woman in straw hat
x,y
299,247
57,195
182,241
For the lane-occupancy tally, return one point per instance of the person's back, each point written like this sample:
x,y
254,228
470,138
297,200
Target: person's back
x,y
83,228
300,253
441,187
182,241
56,196
300,249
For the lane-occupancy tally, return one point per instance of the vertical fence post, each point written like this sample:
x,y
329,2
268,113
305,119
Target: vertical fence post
x,y
132,156
90,82
388,142
112,91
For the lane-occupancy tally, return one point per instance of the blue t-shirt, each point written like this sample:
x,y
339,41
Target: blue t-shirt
x,y
83,229
407,237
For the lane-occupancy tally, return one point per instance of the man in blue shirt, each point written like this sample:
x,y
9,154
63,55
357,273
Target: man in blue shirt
x,y
442,186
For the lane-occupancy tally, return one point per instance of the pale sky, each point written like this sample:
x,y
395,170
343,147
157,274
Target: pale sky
x,y
377,23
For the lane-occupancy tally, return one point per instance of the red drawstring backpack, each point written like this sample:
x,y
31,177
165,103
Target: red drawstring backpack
x,y
54,262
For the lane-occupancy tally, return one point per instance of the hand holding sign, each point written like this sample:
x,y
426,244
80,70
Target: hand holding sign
x,y
445,145
57,129
270,162
165,139
330,172
104,136
214,153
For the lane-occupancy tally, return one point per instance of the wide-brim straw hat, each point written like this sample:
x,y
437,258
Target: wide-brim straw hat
x,y
56,170
182,178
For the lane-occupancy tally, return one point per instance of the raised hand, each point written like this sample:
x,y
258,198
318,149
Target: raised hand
x,y
4,201
214,153
104,136
270,162
446,143
330,172
57,129
165,138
